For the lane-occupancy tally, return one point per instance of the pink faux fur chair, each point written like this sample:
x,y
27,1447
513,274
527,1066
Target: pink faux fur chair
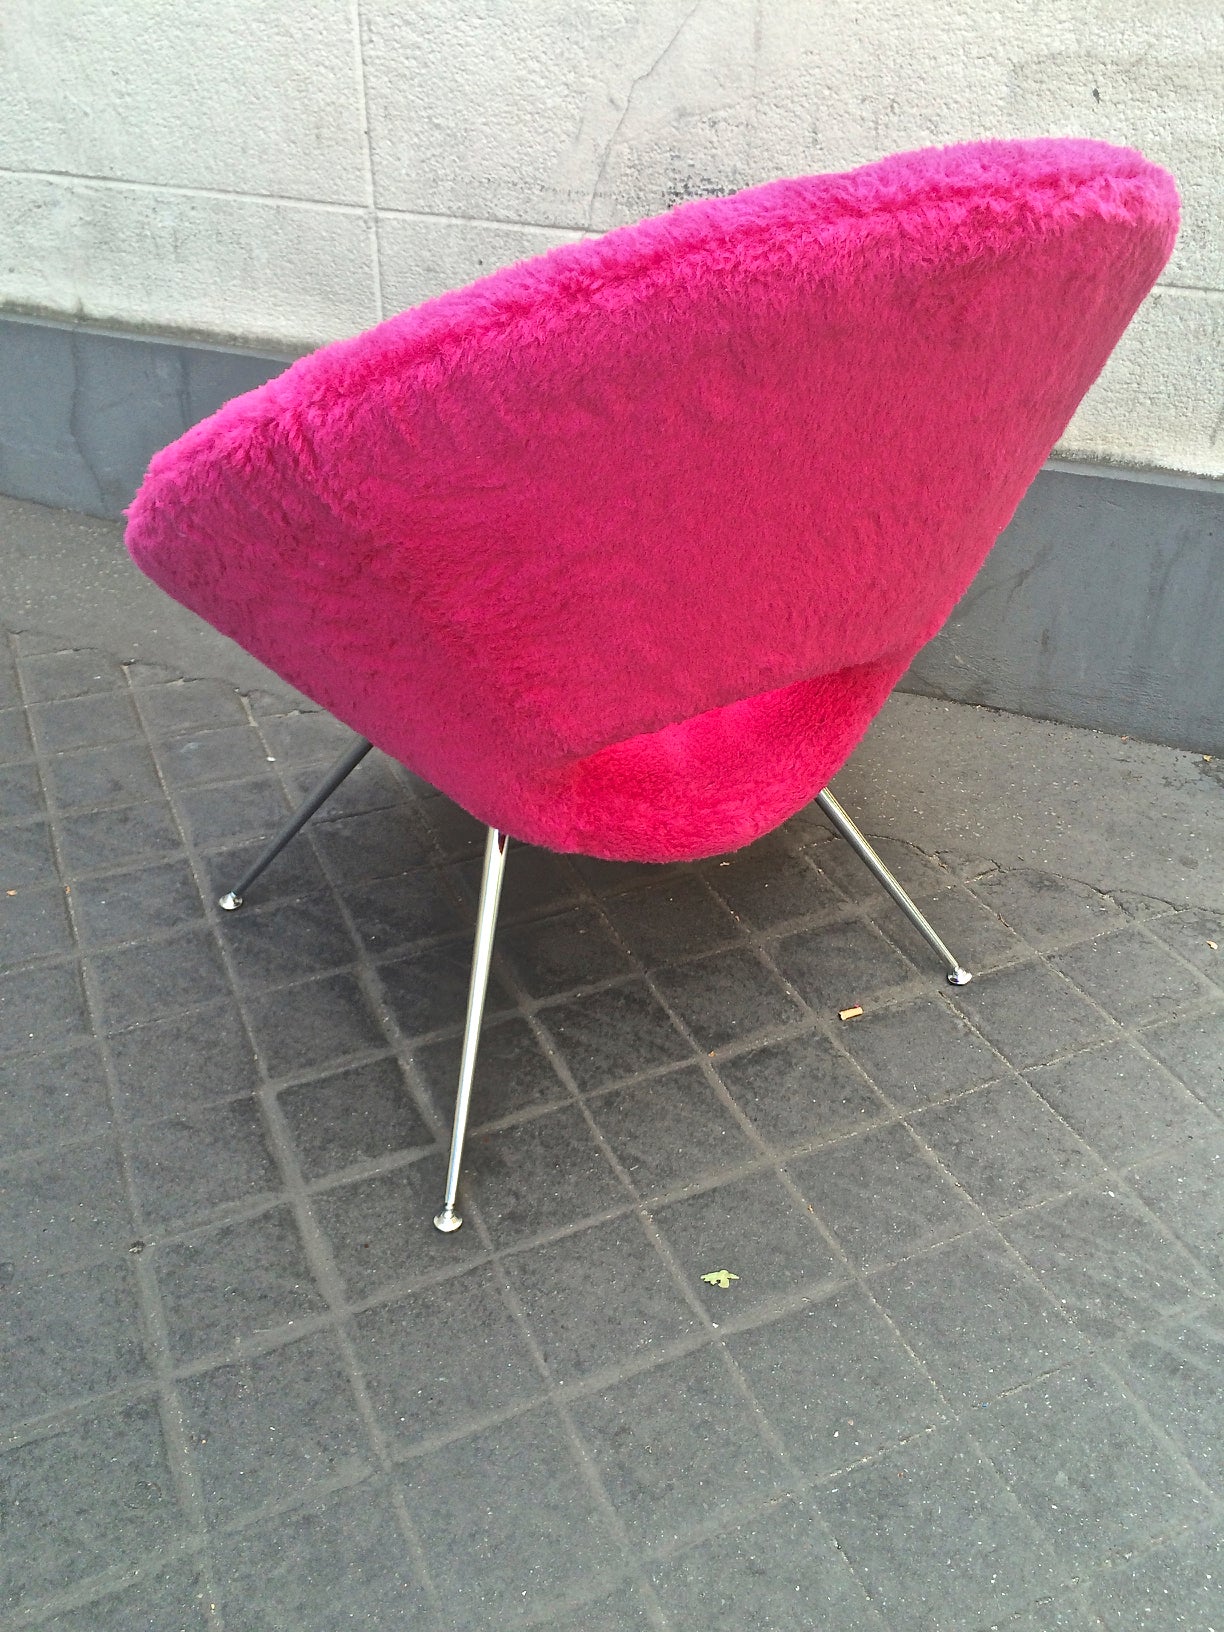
x,y
622,548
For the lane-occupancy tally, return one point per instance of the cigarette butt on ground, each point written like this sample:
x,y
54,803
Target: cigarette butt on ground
x,y
850,1013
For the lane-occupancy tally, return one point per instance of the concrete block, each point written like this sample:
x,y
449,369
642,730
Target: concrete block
x,y
248,96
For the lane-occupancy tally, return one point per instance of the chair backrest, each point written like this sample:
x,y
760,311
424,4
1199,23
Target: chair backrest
x,y
756,440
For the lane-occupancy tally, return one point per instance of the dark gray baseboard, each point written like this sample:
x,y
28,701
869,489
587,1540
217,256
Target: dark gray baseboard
x,y
1101,605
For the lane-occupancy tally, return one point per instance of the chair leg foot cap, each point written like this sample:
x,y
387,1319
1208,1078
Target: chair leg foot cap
x,y
448,1221
230,902
959,977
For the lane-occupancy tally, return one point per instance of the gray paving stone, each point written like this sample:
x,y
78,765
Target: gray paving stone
x,y
163,1597
1087,1468
976,936
1184,1189
599,1299
444,1358
1194,1051
729,997
1125,1107
93,1494
1191,934
21,795
1030,1014
1005,1146
374,785
670,921
615,1032
313,1024
188,705
1104,1261
15,741
381,1231
224,755
755,1229
296,871
67,1336
84,722
396,913
190,1165
177,1065
835,1382
62,1208
352,1116
920,1052
426,990
622,1610
562,953
768,887
338,1563
1175,1585
840,965
157,978
1047,911
287,940
96,840
273,1427
119,774
513,1073
26,857
48,1098
539,1175
1132,976
668,1471
509,1525
1176,1370
881,1196
374,845
536,884
781,1573
49,676
221,1285
128,906
978,1322
671,1130
801,1092
935,1537
219,813
312,738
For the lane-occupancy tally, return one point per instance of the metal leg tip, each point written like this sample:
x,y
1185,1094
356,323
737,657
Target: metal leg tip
x,y
230,902
448,1221
959,977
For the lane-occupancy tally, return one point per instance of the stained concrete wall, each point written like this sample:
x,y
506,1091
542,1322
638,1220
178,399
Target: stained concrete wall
x,y
277,173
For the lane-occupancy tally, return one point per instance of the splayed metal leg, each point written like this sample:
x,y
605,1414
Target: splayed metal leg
x,y
957,975
486,923
232,899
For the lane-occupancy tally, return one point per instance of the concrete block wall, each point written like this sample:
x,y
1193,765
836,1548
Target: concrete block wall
x,y
277,173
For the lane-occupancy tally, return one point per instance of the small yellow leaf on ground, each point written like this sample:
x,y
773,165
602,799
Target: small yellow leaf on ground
x,y
720,1277
851,1013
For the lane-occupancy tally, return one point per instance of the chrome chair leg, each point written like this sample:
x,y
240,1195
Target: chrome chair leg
x,y
486,923
957,975
344,766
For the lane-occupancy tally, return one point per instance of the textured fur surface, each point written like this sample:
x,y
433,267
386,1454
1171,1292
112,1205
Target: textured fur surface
x,y
623,547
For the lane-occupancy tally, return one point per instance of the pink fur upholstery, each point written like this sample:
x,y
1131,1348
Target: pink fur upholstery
x,y
623,547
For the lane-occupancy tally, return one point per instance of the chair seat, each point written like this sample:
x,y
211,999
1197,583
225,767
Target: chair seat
x,y
709,784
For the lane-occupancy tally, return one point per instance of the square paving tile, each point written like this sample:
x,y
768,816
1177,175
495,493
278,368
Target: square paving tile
x,y
666,1471
155,978
671,1130
339,1563
296,871
612,1033
781,1571
756,1230
768,887
801,1091
1047,911
1175,1370
216,814
121,907
287,940
936,1538
21,795
170,1595
313,1024
427,990
1132,976
48,1098
381,1229
374,785
1185,1189
443,1358
94,840
1191,934
835,1382
1194,1051
396,913
562,953
979,1322
93,1494
374,845
15,741
1101,1257
840,965
358,1115
64,1208
536,883
49,676
231,1282
881,1197
179,1064
513,1073
265,1429
509,1524
224,755
973,932
1005,1146
1088,1469
67,1336
34,924
204,1159
120,774
1177,1584
728,998
671,920
189,705
26,857
1030,1014
1125,1107
311,738
84,722
539,1175
598,1299
920,1052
